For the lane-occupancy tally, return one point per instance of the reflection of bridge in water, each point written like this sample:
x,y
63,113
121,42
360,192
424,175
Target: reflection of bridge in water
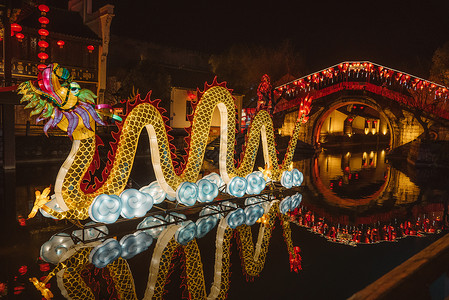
x,y
359,198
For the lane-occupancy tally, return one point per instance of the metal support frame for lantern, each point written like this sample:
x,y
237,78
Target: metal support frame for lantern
x,y
121,226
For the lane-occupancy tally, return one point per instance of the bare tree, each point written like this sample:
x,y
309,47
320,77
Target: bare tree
x,y
426,104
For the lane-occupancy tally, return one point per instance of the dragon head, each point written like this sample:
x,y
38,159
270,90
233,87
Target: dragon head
x,y
56,97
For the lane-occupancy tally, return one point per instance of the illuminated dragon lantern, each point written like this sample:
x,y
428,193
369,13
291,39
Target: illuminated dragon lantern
x,y
60,101
57,98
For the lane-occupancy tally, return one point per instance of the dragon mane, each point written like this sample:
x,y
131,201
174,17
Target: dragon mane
x,y
54,96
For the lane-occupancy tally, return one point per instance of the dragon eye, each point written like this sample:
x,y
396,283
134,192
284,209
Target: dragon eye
x,y
75,88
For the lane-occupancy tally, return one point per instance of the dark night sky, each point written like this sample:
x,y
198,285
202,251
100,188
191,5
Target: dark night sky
x,y
399,34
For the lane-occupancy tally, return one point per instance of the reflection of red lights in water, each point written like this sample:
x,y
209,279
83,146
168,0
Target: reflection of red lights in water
x,y
42,279
23,270
44,267
3,289
22,221
368,232
18,289
295,263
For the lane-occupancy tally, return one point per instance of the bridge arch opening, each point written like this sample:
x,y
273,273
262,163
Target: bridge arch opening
x,y
353,120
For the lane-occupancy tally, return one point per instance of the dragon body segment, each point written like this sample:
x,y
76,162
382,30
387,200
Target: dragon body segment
x,y
68,111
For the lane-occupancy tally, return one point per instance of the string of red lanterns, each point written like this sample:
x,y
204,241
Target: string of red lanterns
x,y
43,44
16,30
43,33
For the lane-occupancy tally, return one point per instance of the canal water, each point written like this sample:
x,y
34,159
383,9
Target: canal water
x,y
360,217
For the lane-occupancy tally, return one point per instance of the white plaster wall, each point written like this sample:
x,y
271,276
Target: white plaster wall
x,y
336,120
178,103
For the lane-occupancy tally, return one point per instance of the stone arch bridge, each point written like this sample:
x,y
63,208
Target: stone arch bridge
x,y
396,96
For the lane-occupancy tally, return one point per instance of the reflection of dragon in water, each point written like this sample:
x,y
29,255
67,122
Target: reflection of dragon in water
x,y
57,98
75,281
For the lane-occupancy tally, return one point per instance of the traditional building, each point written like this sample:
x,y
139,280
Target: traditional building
x,y
76,37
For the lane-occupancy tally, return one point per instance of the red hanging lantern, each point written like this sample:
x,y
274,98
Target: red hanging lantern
x,y
44,21
42,44
16,27
41,67
42,55
90,48
60,43
43,32
20,36
43,8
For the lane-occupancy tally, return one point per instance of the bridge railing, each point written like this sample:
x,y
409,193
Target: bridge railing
x,y
390,83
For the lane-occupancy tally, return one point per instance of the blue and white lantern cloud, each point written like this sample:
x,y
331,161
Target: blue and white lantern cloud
x,y
133,244
187,193
287,179
253,213
135,203
155,225
237,186
255,183
204,225
155,190
53,250
186,232
285,205
212,211
295,201
298,177
106,253
207,190
105,208
236,218
215,178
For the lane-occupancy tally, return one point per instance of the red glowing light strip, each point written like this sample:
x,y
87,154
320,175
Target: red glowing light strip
x,y
401,98
366,66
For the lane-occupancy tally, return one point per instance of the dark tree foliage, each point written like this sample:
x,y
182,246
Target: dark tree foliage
x,y
243,66
140,78
439,71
